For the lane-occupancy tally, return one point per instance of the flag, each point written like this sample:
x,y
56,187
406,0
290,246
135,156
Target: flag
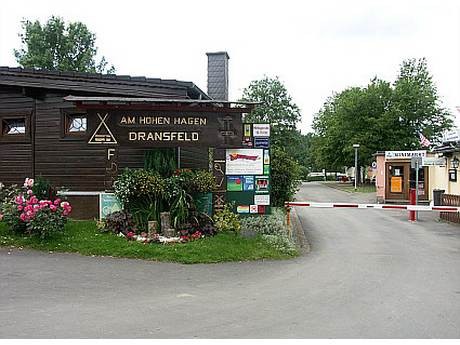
x,y
424,141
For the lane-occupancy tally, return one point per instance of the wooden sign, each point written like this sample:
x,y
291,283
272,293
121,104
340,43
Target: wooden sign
x,y
165,128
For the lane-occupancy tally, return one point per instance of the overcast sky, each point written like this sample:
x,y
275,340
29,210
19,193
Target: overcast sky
x,y
314,47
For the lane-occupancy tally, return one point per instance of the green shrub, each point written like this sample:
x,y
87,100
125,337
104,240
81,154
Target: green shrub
x,y
196,181
162,161
272,228
142,194
145,193
225,220
203,181
285,177
43,189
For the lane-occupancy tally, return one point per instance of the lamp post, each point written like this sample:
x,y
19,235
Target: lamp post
x,y
455,163
356,147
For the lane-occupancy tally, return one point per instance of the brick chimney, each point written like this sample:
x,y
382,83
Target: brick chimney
x,y
218,75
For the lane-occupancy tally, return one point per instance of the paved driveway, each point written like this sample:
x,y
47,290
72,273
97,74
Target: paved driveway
x,y
370,274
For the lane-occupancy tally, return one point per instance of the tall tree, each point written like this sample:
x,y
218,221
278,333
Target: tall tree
x,y
276,108
416,105
59,47
381,116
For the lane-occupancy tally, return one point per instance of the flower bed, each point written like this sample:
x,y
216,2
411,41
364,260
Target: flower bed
x,y
24,213
145,195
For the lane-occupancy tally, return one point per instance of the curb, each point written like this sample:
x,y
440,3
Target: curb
x,y
298,233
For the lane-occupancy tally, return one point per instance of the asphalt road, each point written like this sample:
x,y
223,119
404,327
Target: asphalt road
x,y
370,274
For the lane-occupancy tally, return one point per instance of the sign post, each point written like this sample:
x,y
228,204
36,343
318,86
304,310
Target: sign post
x,y
416,163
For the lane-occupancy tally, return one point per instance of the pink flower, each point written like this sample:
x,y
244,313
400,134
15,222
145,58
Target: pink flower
x,y
53,208
30,192
57,201
19,199
23,217
64,204
20,207
29,182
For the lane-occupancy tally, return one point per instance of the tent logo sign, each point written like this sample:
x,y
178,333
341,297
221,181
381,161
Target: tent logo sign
x,y
102,134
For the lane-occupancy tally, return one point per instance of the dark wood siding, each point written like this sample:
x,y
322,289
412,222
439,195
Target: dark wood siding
x,y
16,161
67,162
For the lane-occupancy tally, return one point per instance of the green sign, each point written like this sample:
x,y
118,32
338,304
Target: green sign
x,y
108,203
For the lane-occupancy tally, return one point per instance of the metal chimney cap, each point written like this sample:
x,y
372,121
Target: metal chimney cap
x,y
219,53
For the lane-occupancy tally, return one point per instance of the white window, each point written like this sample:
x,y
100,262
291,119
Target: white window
x,y
14,126
77,124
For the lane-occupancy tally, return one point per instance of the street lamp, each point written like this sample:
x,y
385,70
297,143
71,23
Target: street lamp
x,y
356,147
455,163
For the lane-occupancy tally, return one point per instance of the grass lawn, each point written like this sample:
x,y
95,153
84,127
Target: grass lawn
x,y
348,187
84,238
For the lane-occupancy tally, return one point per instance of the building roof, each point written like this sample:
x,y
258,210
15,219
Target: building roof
x,y
122,85
71,98
161,103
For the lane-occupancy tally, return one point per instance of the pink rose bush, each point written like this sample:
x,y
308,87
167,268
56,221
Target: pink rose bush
x,y
29,215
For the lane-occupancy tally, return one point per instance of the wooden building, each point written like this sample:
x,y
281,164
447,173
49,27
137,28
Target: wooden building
x,y
395,176
78,130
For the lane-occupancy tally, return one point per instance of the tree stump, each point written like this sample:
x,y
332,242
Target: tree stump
x,y
165,222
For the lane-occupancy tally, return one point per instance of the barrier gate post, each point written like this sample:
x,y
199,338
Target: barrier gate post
x,y
412,201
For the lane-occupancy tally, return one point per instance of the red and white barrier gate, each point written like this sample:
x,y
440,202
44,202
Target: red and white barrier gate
x,y
289,204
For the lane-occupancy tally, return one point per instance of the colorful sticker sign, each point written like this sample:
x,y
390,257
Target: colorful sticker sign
x,y
262,143
253,209
266,157
108,203
262,183
247,142
234,183
262,199
244,161
266,169
260,130
248,183
247,130
242,209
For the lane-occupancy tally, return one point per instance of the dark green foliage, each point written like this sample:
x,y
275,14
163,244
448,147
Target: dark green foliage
x,y
277,109
289,146
179,208
56,46
285,176
379,117
43,189
142,194
145,194
118,222
162,161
